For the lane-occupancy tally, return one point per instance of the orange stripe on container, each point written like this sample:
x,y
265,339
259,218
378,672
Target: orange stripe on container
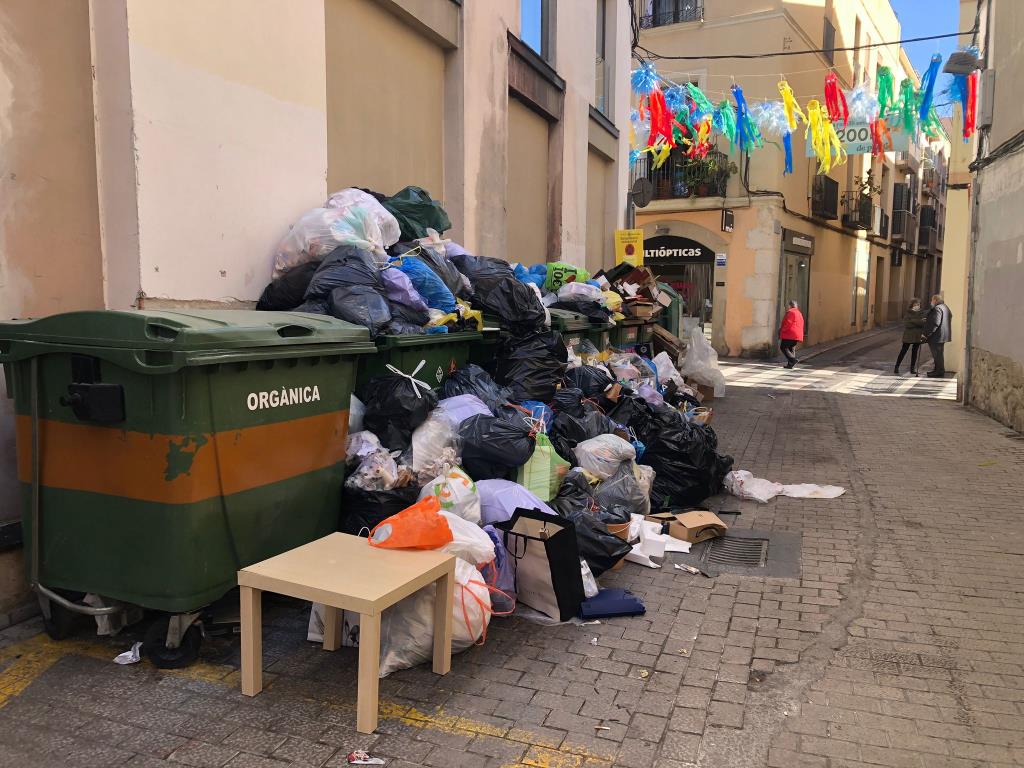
x,y
179,469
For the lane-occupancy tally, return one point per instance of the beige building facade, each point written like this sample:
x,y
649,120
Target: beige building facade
x,y
155,151
851,258
993,343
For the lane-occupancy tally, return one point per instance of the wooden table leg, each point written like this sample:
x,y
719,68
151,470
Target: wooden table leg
x,y
252,640
367,704
332,628
443,589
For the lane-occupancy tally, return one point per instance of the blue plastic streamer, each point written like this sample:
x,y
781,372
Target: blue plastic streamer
x,y
644,79
928,87
787,145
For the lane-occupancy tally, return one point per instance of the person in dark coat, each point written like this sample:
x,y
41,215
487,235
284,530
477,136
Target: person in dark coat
x,y
938,330
913,327
791,333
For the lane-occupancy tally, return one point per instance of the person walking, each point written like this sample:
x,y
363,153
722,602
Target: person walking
x,y
791,333
937,332
913,327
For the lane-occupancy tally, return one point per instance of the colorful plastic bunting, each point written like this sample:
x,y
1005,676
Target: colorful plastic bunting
x,y
748,137
835,100
928,88
886,95
789,104
907,107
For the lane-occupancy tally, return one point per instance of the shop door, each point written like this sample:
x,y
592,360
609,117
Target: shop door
x,y
694,283
796,286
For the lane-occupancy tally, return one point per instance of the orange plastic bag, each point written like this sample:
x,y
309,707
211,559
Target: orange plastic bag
x,y
416,527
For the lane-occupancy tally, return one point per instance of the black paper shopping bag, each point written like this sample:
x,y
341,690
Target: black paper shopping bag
x,y
547,562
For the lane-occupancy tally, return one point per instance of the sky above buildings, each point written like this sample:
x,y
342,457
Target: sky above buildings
x,y
919,18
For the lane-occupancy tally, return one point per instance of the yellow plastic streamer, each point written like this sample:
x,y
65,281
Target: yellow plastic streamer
x,y
661,155
790,105
824,139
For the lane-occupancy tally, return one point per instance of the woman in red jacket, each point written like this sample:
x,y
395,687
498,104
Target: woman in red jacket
x,y
791,332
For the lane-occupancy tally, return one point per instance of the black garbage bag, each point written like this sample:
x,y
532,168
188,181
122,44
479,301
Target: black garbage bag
x,y
405,314
687,464
623,491
401,328
362,305
593,311
473,380
366,509
574,422
315,307
588,379
479,267
513,302
598,546
289,290
494,448
634,412
393,409
445,269
416,211
531,365
345,265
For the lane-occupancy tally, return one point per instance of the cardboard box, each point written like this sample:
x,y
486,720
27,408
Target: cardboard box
x,y
694,527
706,393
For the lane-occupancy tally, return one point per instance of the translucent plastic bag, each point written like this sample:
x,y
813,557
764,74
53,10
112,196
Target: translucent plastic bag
x,y
543,471
310,239
360,445
457,493
701,362
346,199
358,228
469,542
624,489
577,291
434,445
667,370
376,472
602,455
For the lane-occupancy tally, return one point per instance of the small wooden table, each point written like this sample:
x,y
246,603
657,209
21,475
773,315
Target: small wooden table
x,y
345,573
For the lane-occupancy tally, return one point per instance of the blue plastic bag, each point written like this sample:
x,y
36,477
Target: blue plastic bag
x,y
539,411
500,574
427,284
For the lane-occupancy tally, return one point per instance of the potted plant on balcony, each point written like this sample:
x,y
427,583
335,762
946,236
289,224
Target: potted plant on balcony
x,y
858,202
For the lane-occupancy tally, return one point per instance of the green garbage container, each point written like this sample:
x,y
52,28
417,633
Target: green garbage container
x,y
626,334
600,335
441,353
668,318
573,326
160,451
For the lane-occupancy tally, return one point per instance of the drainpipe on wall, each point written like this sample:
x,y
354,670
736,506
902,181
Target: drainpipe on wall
x,y
975,193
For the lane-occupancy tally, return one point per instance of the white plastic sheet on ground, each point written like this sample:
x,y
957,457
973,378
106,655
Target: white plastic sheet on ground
x,y
651,542
743,484
701,362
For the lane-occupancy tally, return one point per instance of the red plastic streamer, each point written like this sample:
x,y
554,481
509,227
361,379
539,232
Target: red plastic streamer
x,y
971,113
661,119
835,100
881,138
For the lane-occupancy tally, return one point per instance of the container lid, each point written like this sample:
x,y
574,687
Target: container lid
x,y
567,320
185,330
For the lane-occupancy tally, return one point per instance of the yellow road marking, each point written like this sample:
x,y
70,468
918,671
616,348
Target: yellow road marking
x,y
22,663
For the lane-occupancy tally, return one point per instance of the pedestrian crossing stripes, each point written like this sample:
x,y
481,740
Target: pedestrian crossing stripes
x,y
847,380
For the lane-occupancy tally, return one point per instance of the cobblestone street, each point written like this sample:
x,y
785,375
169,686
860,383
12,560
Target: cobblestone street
x,y
900,645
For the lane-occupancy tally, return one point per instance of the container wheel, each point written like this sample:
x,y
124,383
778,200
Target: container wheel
x,y
155,646
62,622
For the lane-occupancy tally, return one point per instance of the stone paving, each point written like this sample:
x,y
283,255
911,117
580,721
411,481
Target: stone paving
x,y
900,645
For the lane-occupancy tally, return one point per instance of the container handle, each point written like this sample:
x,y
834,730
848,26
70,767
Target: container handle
x,y
292,331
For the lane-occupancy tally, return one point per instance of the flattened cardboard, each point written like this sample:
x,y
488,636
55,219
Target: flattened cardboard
x,y
694,527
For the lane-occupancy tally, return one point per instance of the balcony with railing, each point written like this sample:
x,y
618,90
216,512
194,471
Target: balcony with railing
x,y
928,231
910,159
882,230
665,12
905,229
858,210
824,198
682,177
931,182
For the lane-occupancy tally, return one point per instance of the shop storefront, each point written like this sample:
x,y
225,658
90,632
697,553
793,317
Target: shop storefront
x,y
688,267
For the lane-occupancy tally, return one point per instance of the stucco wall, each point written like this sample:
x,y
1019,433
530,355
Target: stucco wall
x,y
598,232
526,196
50,256
229,102
385,101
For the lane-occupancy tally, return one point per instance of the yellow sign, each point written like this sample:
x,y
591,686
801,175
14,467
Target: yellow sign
x,y
629,246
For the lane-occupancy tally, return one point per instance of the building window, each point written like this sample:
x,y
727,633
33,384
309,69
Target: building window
x,y
658,13
536,23
602,67
828,41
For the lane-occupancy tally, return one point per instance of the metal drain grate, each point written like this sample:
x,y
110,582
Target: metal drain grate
x,y
748,552
744,553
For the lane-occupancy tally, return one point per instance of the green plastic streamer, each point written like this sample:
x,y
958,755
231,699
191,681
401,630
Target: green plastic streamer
x,y
907,111
703,104
886,96
725,121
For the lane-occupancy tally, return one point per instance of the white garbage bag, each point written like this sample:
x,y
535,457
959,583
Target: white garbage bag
x,y
743,484
360,445
457,494
575,291
407,627
602,455
434,446
701,362
346,199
